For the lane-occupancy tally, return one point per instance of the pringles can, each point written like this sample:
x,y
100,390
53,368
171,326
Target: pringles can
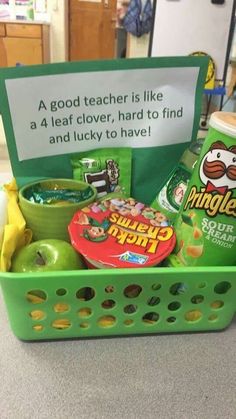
x,y
206,223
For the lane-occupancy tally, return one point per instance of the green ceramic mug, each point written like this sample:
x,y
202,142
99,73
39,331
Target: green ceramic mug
x,y
51,220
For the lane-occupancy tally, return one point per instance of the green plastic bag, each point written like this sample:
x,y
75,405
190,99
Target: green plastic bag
x,y
108,169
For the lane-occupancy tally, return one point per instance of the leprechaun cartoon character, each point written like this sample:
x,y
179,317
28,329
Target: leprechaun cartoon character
x,y
95,231
218,168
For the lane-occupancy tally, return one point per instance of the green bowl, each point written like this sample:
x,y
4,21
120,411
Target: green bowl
x,y
50,221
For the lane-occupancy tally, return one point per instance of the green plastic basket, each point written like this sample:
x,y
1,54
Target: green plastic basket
x,y
115,302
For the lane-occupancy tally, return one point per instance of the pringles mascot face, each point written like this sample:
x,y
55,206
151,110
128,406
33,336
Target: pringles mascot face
x,y
218,168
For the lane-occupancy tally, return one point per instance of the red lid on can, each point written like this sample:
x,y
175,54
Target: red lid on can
x,y
122,233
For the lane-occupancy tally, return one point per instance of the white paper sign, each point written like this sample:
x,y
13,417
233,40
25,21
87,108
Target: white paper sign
x,y
67,113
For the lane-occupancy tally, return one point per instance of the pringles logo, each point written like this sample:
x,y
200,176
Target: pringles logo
x,y
130,231
218,173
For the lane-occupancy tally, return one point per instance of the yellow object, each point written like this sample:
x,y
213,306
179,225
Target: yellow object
x,y
61,324
61,307
193,316
15,234
210,78
106,321
35,297
37,314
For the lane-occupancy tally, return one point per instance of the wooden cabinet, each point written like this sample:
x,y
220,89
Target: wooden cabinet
x,y
92,29
2,29
26,44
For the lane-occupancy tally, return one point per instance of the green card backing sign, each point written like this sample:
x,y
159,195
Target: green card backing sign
x,y
151,105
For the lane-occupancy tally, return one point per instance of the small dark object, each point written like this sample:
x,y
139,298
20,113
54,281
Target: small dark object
x,y
218,1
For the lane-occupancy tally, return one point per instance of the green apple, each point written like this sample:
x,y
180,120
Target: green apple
x,y
46,255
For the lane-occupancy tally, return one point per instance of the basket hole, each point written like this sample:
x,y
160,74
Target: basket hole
x,y
84,325
156,287
153,301
202,285
36,296
109,289
175,305
106,321
178,288
222,287
130,309
61,291
61,307
197,299
107,304
132,291
217,304
38,327
37,314
85,312
150,318
85,294
171,319
61,324
128,322
213,317
193,315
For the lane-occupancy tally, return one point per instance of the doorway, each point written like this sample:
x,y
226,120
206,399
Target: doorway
x,y
92,29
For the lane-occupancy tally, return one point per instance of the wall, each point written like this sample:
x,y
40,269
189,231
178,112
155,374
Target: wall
x,y
137,47
58,11
2,134
193,30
